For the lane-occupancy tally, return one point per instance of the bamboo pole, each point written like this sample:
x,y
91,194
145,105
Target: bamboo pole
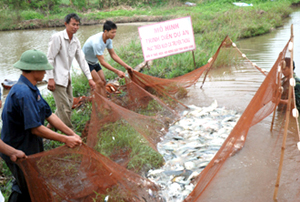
x,y
194,59
287,114
273,118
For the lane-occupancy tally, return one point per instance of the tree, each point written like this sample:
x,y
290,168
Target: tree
x,y
16,5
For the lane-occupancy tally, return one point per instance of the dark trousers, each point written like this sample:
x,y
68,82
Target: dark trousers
x,y
17,197
19,189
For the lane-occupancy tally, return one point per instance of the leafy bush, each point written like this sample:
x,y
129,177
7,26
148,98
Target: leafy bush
x,y
44,5
29,15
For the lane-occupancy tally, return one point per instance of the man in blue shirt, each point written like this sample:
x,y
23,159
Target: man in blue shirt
x,y
93,50
23,117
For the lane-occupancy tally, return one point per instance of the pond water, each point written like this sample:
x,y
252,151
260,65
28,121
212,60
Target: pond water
x,y
14,43
250,175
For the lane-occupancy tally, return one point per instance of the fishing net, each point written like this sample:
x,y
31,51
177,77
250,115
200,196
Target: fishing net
x,y
262,105
108,120
81,174
140,113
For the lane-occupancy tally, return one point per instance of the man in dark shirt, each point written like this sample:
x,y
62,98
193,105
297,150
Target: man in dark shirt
x,y
23,117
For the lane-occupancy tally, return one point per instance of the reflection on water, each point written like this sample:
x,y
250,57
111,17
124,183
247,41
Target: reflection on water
x,y
264,50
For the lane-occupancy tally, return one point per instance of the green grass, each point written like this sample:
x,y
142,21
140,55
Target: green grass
x,y
120,137
80,85
212,21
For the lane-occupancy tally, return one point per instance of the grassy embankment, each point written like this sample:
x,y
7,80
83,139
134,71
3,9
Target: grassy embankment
x,y
212,21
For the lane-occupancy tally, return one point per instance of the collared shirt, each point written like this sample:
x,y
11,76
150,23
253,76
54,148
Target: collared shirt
x,y
61,53
95,46
23,110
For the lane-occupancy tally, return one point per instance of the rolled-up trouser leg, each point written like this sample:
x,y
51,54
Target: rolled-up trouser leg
x,y
63,97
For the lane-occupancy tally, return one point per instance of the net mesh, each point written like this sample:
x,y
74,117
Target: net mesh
x,y
262,105
81,174
142,111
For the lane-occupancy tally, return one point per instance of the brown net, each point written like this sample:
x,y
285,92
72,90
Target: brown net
x,y
81,174
262,105
107,116
171,90
141,113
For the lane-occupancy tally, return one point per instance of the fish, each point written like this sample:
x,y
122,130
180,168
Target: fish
x,y
188,147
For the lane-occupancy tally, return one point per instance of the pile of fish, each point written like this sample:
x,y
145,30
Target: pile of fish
x,y
189,146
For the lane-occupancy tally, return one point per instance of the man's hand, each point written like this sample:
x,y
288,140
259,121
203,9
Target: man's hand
x,y
92,84
51,85
75,135
121,74
0,103
129,69
72,141
18,154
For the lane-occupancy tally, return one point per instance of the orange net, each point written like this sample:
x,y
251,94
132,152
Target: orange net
x,y
171,90
262,105
81,174
105,112
140,113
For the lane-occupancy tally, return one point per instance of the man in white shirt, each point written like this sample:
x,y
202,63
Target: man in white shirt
x,y
63,47
93,50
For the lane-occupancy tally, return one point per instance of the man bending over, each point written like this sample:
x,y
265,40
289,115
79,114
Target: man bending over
x,y
93,50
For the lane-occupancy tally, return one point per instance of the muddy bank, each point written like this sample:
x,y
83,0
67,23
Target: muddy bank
x,y
38,23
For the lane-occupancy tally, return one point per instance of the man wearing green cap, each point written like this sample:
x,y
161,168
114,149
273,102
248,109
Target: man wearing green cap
x,y
63,48
23,117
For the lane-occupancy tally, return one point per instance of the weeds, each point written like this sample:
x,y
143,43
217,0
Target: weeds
x,y
113,137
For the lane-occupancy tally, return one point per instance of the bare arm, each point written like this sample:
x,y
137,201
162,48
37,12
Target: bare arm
x,y
84,66
13,153
109,67
283,101
116,58
58,124
71,140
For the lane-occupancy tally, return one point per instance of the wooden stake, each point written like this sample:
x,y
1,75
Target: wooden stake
x,y
287,115
194,59
273,119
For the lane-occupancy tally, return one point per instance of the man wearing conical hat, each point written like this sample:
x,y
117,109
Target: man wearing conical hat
x,y
23,117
